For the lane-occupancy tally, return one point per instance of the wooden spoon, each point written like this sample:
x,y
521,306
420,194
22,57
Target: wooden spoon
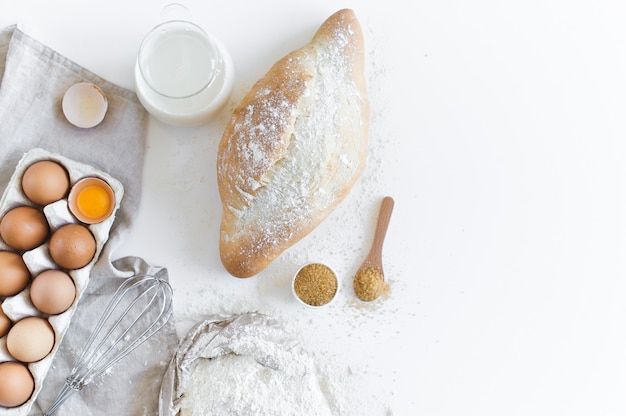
x,y
369,281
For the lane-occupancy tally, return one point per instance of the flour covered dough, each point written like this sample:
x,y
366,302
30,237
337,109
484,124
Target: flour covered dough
x,y
294,147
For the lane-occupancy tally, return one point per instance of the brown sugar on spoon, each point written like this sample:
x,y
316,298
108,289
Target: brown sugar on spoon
x,y
369,284
369,281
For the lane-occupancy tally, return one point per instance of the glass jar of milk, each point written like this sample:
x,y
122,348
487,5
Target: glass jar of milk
x,y
183,75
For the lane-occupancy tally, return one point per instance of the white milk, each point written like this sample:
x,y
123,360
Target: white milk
x,y
179,63
182,75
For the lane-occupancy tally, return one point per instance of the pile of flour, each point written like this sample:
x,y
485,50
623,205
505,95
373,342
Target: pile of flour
x,y
292,382
250,365
238,385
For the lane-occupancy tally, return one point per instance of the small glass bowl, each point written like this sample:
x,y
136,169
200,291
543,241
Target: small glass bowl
x,y
310,285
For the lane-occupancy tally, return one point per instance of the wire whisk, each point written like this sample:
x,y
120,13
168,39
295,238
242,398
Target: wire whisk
x,y
139,308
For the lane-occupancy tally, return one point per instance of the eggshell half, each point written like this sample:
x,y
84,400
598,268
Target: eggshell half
x,y
91,200
84,105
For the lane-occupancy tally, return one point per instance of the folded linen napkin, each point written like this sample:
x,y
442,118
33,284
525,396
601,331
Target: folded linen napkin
x,y
33,79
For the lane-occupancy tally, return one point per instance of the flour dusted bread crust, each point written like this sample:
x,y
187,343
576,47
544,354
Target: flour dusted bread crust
x,y
294,147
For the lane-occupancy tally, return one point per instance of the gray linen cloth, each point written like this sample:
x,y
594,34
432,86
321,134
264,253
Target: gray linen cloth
x,y
33,81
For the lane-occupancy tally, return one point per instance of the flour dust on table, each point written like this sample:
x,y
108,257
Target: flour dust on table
x,y
238,385
251,364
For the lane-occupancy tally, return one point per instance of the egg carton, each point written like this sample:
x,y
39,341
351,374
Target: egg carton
x,y
37,260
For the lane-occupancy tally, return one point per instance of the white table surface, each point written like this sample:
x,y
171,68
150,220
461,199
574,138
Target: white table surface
x,y
500,131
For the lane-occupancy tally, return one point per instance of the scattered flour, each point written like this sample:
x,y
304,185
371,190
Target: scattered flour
x,y
303,384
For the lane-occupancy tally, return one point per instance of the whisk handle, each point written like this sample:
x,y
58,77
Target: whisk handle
x,y
71,386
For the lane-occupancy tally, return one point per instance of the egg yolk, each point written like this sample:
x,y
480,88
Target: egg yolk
x,y
93,201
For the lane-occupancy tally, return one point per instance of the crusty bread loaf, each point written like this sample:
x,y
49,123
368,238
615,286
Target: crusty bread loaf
x,y
294,147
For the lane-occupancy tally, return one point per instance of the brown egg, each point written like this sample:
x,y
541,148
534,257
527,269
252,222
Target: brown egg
x,y
45,182
24,228
72,246
16,384
30,339
5,322
52,292
14,275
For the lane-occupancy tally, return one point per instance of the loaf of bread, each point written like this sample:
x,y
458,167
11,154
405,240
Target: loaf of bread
x,y
294,147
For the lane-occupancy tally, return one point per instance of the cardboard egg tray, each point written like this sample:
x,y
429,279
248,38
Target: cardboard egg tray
x,y
38,259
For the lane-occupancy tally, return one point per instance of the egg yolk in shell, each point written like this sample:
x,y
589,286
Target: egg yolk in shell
x,y
93,201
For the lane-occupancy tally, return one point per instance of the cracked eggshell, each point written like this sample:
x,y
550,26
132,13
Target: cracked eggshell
x,y
91,200
84,105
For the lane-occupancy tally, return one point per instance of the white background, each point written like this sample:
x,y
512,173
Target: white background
x,y
498,127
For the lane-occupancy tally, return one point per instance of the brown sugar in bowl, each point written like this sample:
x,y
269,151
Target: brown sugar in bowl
x,y
315,285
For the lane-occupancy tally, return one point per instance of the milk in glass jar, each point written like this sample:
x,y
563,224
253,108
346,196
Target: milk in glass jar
x,y
183,75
